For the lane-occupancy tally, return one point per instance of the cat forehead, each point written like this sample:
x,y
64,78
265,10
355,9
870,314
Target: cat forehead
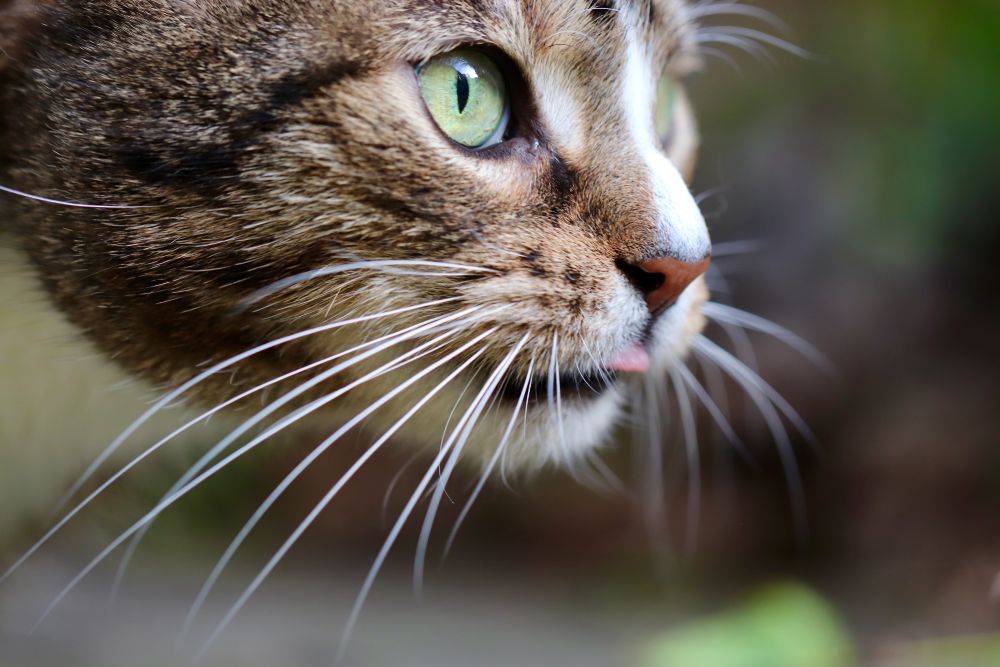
x,y
551,24
537,24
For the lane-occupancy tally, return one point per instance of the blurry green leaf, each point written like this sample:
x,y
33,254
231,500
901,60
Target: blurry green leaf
x,y
965,652
786,625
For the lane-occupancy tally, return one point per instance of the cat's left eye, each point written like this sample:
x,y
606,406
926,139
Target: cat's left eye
x,y
467,96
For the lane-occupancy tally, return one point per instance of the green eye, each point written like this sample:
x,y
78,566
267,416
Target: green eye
x,y
466,94
665,100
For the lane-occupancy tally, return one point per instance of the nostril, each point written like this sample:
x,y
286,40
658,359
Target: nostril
x,y
662,280
642,280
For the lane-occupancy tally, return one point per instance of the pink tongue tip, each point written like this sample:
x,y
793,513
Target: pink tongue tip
x,y
633,359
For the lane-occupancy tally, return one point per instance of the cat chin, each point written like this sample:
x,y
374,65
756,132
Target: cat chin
x,y
542,440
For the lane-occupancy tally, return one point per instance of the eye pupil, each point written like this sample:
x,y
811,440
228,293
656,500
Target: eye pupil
x,y
462,90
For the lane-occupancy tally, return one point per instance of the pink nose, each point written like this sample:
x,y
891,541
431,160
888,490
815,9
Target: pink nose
x,y
664,279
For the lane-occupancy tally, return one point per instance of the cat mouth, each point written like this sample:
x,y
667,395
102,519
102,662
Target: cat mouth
x,y
578,385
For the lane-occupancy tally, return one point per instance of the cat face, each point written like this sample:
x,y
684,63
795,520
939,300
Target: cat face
x,y
302,172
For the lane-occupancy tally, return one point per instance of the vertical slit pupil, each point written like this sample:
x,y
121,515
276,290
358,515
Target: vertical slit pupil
x,y
462,88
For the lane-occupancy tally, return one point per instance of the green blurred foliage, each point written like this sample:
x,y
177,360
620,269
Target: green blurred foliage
x,y
785,625
919,102
962,652
899,111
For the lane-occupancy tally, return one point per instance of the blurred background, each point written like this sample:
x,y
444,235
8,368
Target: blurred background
x,y
864,183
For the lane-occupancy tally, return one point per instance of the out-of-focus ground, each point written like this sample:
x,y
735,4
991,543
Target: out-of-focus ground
x,y
867,179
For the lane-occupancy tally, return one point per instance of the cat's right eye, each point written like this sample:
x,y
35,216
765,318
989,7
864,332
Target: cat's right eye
x,y
467,96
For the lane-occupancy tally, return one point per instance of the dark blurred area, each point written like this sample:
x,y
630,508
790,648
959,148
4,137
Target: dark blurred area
x,y
866,181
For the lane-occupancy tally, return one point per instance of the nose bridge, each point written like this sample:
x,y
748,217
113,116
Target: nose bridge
x,y
601,121
676,228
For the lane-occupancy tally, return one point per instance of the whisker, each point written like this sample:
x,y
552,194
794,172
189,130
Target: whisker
x,y
609,480
456,451
767,390
786,450
393,266
376,567
702,197
550,384
301,468
160,404
555,382
748,46
727,314
221,366
599,368
393,483
194,483
689,429
425,328
497,455
731,248
653,488
717,416
762,37
60,202
737,9
723,56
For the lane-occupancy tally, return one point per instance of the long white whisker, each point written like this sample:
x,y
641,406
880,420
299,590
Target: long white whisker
x,y
60,202
723,56
652,470
597,366
727,314
713,409
604,471
742,344
219,367
551,385
494,460
110,481
390,265
768,391
376,567
688,427
425,533
405,334
554,380
730,248
746,45
328,498
440,342
167,502
786,451
393,483
737,9
763,37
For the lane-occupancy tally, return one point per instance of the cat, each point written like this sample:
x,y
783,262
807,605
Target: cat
x,y
464,223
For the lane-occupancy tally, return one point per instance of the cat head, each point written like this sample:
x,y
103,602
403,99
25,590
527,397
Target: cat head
x,y
488,179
